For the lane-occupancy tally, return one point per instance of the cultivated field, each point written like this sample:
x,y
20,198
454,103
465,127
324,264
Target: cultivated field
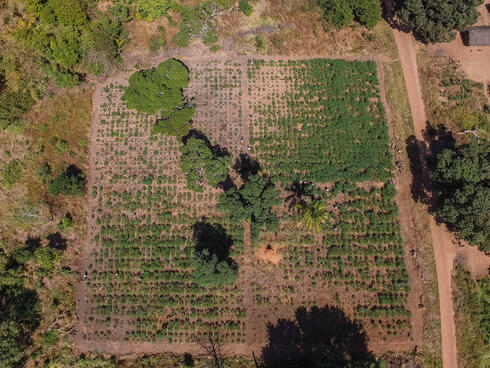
x,y
318,123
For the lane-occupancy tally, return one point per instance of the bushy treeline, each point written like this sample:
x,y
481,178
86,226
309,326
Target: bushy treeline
x,y
435,20
339,13
460,177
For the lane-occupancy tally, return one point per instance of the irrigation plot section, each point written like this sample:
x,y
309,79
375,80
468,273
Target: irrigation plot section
x,y
319,121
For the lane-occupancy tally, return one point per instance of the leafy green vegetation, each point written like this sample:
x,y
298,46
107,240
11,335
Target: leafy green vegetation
x,y
460,177
245,7
151,9
11,173
252,202
199,163
339,13
69,182
436,20
159,90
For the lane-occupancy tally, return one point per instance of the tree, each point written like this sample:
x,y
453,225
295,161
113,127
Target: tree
x,y
253,202
160,90
337,12
151,9
212,263
313,215
436,20
69,182
367,12
460,178
299,190
157,89
199,163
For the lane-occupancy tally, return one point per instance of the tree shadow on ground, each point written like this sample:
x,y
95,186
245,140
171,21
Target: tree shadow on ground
x,y
217,150
420,152
213,238
299,191
319,337
56,241
246,166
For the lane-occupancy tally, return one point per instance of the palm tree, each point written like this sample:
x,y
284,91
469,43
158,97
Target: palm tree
x,y
299,190
313,215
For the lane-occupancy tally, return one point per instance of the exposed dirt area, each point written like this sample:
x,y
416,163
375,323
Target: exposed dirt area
x,y
268,253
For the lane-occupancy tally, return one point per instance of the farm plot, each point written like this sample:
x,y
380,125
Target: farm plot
x,y
319,123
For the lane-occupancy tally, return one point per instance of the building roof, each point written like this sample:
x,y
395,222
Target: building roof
x,y
479,36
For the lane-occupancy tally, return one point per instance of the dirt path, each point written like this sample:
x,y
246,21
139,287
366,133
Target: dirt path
x,y
443,248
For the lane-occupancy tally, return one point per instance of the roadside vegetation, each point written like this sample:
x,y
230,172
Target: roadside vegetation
x,y
472,318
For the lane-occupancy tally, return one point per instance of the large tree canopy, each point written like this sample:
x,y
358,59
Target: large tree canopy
x,y
460,178
157,89
252,202
436,20
200,164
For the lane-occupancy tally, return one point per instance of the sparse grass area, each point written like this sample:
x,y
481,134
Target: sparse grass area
x,y
451,99
402,129
471,316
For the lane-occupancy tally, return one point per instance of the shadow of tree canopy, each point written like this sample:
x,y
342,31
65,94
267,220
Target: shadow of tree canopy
x,y
246,166
317,338
217,150
419,152
213,238
56,241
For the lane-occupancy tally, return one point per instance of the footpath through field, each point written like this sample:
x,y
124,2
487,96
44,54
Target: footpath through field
x,y
443,241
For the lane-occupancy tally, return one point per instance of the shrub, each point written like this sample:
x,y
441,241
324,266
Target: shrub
x,y
50,338
245,7
11,173
151,9
69,182
337,12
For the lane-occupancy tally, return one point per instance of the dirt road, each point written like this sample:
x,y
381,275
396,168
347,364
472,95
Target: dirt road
x,y
444,250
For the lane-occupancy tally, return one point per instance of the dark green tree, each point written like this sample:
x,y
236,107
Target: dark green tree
x,y
460,178
367,12
337,12
212,263
253,202
436,20
201,165
69,182
157,89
